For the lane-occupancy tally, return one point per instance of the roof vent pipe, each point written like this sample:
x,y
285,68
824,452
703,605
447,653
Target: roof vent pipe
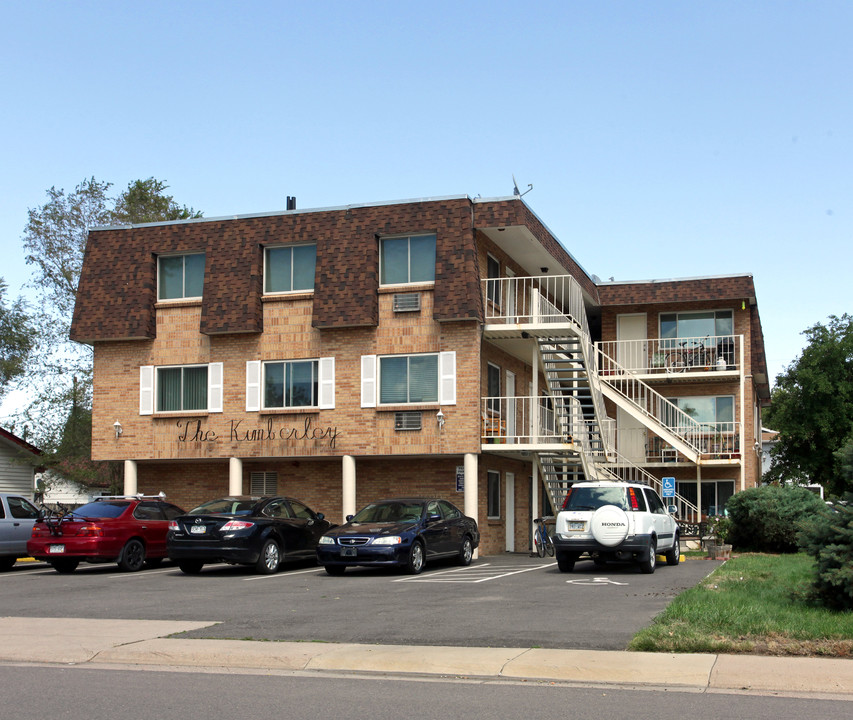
x,y
291,202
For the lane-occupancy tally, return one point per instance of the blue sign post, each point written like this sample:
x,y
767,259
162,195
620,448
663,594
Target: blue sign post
x,y
668,487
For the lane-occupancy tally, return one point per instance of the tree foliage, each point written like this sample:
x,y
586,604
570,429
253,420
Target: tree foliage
x,y
59,373
829,539
812,409
768,518
16,339
144,201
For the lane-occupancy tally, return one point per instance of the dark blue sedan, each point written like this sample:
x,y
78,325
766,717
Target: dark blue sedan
x,y
401,532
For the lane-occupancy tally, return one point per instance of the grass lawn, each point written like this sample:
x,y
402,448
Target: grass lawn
x,y
753,603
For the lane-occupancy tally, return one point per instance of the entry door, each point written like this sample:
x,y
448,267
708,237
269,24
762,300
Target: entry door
x,y
632,352
510,512
630,436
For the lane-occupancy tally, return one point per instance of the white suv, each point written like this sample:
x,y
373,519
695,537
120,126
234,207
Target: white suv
x,y
615,521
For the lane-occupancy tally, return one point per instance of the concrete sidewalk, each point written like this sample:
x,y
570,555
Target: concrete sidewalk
x,y
146,642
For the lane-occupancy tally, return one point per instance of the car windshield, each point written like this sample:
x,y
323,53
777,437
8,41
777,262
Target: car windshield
x,y
592,498
102,509
225,506
390,512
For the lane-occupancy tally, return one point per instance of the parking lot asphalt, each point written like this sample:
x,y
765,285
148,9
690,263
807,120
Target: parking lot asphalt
x,y
503,601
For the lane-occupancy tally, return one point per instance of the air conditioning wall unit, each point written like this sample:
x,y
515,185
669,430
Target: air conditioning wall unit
x,y
407,302
407,420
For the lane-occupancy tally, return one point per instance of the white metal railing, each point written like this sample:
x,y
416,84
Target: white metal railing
x,y
522,420
670,356
550,300
715,441
650,402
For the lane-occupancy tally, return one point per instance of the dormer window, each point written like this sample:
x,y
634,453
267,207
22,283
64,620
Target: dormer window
x,y
407,259
180,276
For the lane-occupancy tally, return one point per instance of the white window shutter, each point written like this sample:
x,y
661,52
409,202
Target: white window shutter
x,y
146,390
368,380
447,378
253,386
214,387
326,368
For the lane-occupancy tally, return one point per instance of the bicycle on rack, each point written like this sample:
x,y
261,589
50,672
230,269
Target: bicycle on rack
x,y
541,539
695,356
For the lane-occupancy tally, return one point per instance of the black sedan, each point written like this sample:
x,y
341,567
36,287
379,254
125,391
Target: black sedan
x,y
262,532
403,532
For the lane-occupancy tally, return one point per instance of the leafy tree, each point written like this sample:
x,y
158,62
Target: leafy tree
x,y
59,374
16,339
812,409
144,201
829,539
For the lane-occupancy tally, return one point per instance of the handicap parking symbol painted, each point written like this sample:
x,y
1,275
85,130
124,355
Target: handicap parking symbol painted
x,y
595,581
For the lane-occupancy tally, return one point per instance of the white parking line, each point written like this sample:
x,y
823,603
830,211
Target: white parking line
x,y
474,574
281,574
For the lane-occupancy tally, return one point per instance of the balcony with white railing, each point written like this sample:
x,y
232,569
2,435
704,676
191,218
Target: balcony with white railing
x,y
713,357
718,443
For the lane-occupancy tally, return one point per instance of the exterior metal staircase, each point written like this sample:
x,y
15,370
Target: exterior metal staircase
x,y
552,310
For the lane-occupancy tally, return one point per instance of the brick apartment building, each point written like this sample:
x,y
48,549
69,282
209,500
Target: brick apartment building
x,y
444,346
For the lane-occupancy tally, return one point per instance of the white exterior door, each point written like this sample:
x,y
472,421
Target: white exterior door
x,y
510,512
632,350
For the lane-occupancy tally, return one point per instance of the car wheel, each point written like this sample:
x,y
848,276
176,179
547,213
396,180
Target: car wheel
x,y
647,564
566,561
673,555
65,566
466,552
269,559
132,556
6,563
190,567
335,569
415,563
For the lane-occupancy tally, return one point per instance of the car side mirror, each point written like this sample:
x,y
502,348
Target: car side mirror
x,y
673,509
349,517
320,516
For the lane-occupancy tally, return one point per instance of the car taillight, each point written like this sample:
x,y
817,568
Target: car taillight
x,y
232,525
566,501
173,525
90,531
39,531
632,498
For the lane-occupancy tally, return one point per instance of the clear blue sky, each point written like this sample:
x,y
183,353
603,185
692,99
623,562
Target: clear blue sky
x,y
662,139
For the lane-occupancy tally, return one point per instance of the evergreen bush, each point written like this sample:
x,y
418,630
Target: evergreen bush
x,y
769,518
829,539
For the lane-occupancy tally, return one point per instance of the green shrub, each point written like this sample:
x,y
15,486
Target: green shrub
x,y
768,518
829,539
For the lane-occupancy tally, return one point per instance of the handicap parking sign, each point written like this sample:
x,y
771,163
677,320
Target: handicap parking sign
x,y
668,486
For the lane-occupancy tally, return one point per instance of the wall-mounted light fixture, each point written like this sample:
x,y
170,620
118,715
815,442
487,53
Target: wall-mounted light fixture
x,y
118,428
439,418
544,270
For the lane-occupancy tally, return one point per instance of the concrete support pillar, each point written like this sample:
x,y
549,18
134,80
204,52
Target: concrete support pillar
x,y
235,476
348,486
130,485
471,495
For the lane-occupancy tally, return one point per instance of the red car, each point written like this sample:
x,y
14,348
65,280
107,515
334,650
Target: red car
x,y
128,530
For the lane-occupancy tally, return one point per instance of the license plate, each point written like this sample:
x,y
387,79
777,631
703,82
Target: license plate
x,y
197,529
349,552
56,548
576,524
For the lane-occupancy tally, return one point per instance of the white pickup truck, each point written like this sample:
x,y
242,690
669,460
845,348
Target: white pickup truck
x,y
17,515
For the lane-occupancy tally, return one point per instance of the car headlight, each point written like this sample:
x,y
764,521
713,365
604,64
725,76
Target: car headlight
x,y
387,540
326,540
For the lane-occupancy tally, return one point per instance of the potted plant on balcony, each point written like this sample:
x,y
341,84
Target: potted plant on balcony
x,y
719,529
